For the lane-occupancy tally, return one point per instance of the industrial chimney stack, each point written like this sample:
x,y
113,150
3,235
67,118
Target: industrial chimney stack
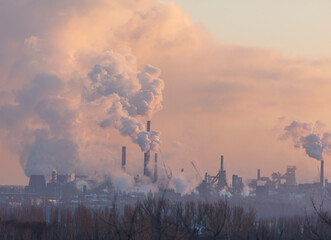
x,y
322,172
123,157
148,126
147,154
54,175
155,168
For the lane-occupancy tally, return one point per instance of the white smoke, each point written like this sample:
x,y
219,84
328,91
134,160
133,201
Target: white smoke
x,y
47,153
126,94
47,120
181,185
68,79
309,137
42,120
246,191
313,145
225,193
123,182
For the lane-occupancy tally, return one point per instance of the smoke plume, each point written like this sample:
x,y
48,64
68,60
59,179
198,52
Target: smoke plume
x,y
70,80
127,94
309,137
64,73
47,121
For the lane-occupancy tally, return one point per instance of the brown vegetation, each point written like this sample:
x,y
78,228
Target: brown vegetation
x,y
159,219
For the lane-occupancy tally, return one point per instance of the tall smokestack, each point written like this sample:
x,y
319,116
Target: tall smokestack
x,y
322,172
146,161
148,126
222,163
155,168
123,157
147,154
54,173
258,174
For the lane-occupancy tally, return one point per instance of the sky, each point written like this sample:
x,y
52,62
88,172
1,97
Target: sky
x,y
298,28
79,79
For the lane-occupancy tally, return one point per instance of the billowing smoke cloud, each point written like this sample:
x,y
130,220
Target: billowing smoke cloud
x,y
42,121
68,40
309,137
127,94
313,145
47,122
49,153
62,96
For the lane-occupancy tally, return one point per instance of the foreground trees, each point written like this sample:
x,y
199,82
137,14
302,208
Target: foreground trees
x,y
158,219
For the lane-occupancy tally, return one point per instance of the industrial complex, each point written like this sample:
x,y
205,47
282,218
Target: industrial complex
x,y
71,190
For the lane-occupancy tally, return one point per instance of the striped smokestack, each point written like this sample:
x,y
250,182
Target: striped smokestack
x,y
123,157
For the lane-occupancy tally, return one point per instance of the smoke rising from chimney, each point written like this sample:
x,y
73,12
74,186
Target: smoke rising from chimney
x,y
128,94
310,137
49,121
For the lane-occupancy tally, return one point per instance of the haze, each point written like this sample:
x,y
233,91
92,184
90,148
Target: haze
x,y
231,94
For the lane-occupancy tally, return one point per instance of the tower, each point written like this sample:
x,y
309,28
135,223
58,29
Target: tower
x,y
147,154
123,157
155,168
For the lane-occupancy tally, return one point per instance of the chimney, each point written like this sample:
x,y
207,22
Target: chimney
x,y
322,172
147,154
146,161
148,126
258,174
54,176
155,168
222,163
123,157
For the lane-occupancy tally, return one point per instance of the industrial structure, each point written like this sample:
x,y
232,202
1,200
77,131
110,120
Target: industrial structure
x,y
260,186
61,185
155,168
212,185
147,155
75,189
285,183
123,157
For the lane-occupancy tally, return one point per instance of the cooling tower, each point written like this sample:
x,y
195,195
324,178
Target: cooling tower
x,y
37,184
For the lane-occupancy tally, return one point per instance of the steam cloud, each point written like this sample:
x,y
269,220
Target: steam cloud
x,y
310,137
127,94
46,118
41,119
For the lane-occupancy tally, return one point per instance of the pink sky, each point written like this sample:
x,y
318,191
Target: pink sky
x,y
218,98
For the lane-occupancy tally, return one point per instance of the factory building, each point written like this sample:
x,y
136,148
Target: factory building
x,y
64,188
37,184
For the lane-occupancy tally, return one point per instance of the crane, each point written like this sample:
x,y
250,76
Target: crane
x,y
196,169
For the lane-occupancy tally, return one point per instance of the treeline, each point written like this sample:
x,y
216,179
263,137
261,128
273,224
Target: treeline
x,y
158,219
